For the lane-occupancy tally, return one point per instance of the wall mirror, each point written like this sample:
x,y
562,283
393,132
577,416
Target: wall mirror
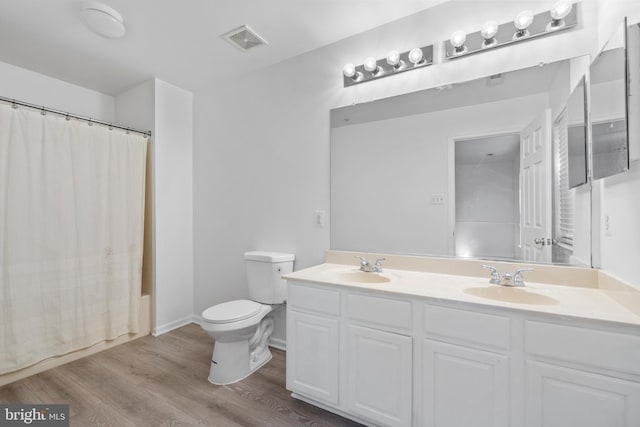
x,y
576,155
463,170
609,106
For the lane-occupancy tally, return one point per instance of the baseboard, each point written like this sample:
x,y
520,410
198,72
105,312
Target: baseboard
x,y
278,343
168,327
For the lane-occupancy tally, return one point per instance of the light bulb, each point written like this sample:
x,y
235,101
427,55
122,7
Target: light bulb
x,y
561,9
558,12
349,70
458,38
393,58
523,20
371,65
415,55
489,30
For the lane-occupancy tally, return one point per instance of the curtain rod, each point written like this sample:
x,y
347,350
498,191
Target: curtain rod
x,y
67,115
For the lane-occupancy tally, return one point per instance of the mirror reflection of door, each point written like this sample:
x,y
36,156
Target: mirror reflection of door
x,y
486,197
535,182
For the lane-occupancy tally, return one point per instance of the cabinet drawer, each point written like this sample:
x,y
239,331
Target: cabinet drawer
x,y
384,312
469,327
601,349
314,299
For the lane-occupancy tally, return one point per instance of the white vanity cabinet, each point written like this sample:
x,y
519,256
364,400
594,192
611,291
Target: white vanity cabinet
x,y
582,377
378,358
313,352
392,359
351,353
465,363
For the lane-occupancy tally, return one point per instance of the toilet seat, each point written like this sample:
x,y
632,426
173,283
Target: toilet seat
x,y
231,311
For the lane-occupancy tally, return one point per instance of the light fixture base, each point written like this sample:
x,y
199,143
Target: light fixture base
x,y
384,69
543,24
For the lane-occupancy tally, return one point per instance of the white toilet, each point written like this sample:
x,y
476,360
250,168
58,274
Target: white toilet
x,y
241,329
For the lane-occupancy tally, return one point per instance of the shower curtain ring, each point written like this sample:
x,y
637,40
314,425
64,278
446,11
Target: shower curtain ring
x,y
128,131
67,118
42,111
110,126
90,121
14,105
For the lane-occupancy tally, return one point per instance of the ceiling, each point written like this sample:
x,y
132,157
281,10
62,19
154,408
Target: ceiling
x,y
179,41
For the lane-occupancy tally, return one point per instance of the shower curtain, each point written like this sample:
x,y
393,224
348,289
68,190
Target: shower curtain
x,y
71,228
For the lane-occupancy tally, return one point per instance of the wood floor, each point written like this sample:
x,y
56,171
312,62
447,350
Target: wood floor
x,y
163,382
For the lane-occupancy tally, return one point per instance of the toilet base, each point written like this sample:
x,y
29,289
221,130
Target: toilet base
x,y
233,361
230,362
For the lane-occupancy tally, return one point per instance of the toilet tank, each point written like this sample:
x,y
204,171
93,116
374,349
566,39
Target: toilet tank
x,y
264,271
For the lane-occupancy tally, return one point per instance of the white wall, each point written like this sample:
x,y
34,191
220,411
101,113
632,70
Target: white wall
x,y
173,171
168,111
261,147
25,85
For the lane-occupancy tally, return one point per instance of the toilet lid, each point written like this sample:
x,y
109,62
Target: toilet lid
x,y
231,311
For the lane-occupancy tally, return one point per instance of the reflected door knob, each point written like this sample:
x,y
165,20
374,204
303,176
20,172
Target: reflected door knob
x,y
540,241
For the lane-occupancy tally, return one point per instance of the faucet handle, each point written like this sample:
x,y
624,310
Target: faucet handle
x,y
377,267
363,262
495,276
517,276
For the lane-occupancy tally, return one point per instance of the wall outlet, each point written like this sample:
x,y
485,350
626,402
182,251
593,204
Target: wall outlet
x,y
320,218
437,199
607,225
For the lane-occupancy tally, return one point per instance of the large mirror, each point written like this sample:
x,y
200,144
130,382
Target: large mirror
x,y
464,170
609,98
576,153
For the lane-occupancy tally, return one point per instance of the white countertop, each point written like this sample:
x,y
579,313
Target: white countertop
x,y
575,301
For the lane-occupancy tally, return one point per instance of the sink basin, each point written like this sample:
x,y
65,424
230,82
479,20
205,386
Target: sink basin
x,y
362,277
512,295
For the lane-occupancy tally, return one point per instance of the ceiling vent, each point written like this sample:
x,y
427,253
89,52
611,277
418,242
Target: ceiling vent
x,y
244,38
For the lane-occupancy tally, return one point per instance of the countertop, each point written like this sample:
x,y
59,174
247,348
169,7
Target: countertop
x,y
584,302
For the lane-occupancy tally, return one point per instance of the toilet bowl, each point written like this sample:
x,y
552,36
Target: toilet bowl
x,y
241,329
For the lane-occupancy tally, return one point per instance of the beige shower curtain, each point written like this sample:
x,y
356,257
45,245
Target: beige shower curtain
x,y
71,228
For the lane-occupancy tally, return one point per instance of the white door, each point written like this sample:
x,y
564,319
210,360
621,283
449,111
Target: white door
x,y
379,376
563,397
464,387
313,356
535,190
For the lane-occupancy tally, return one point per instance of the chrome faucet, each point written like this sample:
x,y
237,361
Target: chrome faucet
x,y
495,276
366,267
507,279
517,277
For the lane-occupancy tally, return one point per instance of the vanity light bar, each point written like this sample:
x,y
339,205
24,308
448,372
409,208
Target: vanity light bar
x,y
525,26
393,64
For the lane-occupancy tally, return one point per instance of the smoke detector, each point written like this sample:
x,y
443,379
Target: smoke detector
x,y
103,20
244,38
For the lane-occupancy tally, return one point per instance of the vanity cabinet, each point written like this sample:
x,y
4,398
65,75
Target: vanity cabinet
x,y
379,375
389,359
465,368
579,376
312,320
315,350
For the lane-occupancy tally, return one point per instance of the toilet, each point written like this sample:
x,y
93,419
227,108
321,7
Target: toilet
x,y
241,329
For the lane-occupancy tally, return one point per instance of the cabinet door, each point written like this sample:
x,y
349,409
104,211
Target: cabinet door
x,y
464,387
562,397
379,376
313,356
